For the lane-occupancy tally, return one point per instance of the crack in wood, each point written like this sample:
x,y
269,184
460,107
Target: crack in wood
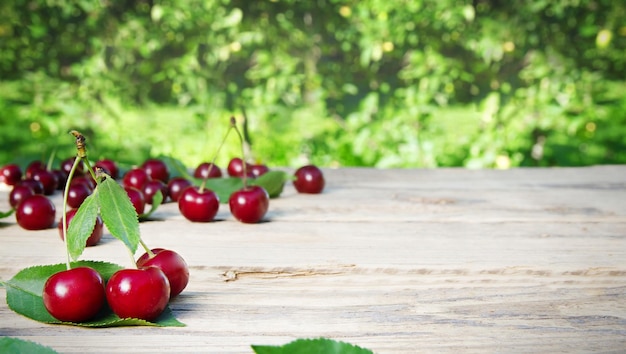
x,y
233,274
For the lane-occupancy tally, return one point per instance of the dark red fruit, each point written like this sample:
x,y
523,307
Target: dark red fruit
x,y
152,187
173,266
10,174
66,166
110,166
96,234
36,186
309,179
36,212
198,206
34,166
249,205
61,178
156,169
259,170
84,179
19,193
76,194
74,295
235,168
138,293
136,177
48,179
136,198
207,170
175,187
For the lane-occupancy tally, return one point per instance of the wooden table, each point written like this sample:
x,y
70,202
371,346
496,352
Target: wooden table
x,y
397,261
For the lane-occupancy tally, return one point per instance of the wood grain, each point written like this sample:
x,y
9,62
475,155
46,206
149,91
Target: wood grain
x,y
398,261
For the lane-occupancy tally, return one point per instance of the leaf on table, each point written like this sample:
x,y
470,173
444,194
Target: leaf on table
x,y
4,214
223,187
82,225
118,213
24,296
306,346
157,200
176,167
272,181
16,345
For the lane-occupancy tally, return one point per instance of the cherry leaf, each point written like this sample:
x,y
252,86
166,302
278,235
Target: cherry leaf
x,y
305,346
16,345
157,200
24,296
82,225
223,187
118,213
4,214
272,181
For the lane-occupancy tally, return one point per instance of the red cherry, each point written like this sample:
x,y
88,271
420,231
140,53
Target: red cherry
x,y
136,177
61,178
66,166
96,234
259,170
36,212
249,205
175,186
309,179
207,170
110,166
19,193
152,187
84,179
10,174
156,169
76,194
138,293
235,168
74,295
136,198
36,186
173,266
48,179
198,206
34,166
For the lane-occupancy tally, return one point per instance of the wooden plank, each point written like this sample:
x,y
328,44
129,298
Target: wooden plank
x,y
399,261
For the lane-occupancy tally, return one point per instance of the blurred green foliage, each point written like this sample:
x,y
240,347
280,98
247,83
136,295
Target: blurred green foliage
x,y
385,83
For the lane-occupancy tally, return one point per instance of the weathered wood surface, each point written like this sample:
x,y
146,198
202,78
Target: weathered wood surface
x,y
398,261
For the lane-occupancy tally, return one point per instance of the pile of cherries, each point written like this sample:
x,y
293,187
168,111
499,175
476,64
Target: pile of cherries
x,y
78,294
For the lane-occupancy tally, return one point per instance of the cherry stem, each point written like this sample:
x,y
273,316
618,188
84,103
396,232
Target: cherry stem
x,y
132,257
212,165
91,171
146,248
51,159
244,178
66,193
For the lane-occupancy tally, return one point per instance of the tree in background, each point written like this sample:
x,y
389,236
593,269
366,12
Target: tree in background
x,y
397,83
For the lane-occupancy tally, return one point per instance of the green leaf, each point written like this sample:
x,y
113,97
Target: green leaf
x,y
82,225
24,296
176,167
272,181
223,187
4,214
9,345
306,346
157,200
118,213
